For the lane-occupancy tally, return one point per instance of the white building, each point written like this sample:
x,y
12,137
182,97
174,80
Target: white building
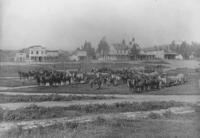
x,y
79,55
161,54
20,57
179,57
192,56
37,53
158,54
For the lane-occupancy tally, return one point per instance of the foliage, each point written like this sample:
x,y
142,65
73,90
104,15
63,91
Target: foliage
x,y
153,115
89,49
36,112
103,47
113,128
184,48
135,49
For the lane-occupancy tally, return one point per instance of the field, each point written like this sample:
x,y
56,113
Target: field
x,y
78,111
15,82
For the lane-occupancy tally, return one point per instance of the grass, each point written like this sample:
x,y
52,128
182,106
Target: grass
x,y
190,88
11,70
36,112
51,97
15,82
114,128
155,62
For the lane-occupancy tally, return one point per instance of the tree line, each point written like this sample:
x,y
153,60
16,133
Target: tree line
x,y
184,48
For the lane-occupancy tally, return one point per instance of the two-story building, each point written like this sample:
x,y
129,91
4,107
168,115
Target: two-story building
x,y
36,53
118,51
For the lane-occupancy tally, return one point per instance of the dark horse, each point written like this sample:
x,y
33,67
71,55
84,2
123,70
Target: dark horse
x,y
96,81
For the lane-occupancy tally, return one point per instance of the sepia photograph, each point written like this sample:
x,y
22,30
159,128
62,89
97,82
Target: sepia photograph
x,y
99,68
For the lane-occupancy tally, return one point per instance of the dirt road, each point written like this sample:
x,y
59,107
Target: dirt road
x,y
2,88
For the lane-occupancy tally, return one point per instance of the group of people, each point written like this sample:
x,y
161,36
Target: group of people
x,y
137,81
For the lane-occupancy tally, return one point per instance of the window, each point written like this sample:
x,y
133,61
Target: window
x,y
41,52
36,52
31,52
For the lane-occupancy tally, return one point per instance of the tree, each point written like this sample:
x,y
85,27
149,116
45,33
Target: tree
x,y
89,49
103,47
185,49
172,46
135,49
123,42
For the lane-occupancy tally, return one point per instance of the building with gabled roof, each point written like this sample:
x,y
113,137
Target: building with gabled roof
x,y
118,51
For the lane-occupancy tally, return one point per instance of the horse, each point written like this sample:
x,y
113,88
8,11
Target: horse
x,y
96,81
23,75
66,78
176,80
131,84
114,79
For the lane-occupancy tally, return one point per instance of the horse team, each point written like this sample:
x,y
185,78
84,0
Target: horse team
x,y
137,81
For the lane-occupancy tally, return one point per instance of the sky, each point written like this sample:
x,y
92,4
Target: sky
x,y
66,24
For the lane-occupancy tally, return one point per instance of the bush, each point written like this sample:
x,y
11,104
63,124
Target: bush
x,y
197,109
1,114
36,112
100,120
154,115
168,114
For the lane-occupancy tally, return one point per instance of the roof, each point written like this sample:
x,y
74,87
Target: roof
x,y
20,53
52,51
170,53
146,53
36,46
158,51
120,46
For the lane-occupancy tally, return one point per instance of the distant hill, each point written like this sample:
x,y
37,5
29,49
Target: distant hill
x,y
7,55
